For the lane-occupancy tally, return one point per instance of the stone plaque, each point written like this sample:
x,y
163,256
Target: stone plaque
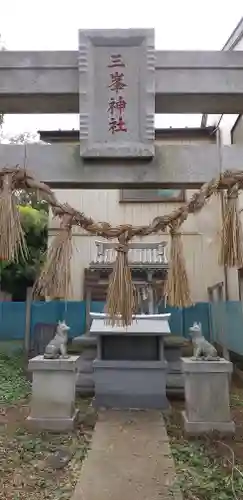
x,y
117,93
130,347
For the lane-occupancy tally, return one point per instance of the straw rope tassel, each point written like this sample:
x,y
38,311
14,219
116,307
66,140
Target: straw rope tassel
x,y
55,278
177,285
231,251
121,301
12,240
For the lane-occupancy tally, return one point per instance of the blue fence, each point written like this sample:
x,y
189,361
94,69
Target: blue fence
x,y
223,320
182,319
12,320
12,317
227,325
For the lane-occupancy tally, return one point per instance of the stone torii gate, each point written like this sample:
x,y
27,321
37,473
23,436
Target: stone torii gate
x,y
117,82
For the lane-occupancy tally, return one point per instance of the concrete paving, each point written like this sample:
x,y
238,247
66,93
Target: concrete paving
x,y
130,459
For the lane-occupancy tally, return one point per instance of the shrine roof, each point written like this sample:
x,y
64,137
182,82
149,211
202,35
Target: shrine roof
x,y
160,133
235,36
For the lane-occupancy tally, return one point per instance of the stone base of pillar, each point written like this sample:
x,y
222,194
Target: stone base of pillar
x,y
197,428
53,393
53,424
207,396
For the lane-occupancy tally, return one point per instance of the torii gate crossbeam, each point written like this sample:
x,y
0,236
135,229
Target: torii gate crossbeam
x,y
185,82
117,82
60,166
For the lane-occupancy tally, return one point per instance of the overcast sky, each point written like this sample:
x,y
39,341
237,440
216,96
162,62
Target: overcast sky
x,y
50,25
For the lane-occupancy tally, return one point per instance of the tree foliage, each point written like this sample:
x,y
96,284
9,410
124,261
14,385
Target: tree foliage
x,y
30,199
16,277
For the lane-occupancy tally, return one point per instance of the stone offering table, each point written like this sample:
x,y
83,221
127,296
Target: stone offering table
x,y
207,396
86,346
130,368
53,393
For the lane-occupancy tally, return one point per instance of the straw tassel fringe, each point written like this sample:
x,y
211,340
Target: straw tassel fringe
x,y
121,298
177,286
12,240
231,251
55,278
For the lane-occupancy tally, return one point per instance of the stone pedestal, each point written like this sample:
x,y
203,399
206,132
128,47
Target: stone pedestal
x,y
207,396
53,393
130,369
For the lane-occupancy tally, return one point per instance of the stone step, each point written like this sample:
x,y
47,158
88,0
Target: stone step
x,y
85,366
85,340
174,380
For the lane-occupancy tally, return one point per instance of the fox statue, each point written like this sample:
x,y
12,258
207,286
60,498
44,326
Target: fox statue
x,y
57,347
202,349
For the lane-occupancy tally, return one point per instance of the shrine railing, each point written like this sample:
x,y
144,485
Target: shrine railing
x,y
140,255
